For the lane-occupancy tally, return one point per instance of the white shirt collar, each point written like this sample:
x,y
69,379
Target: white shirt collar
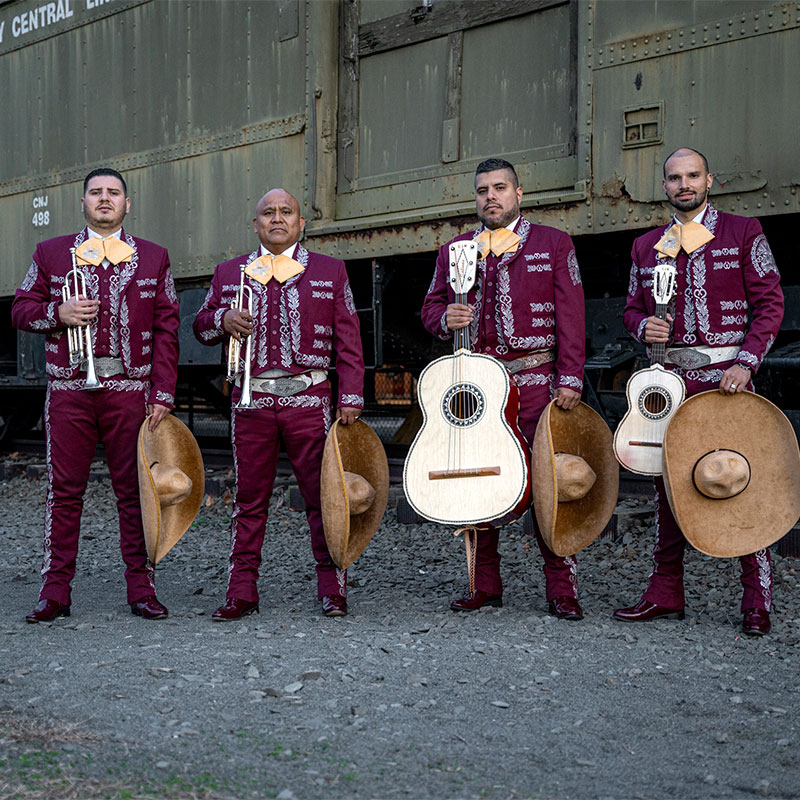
x,y
698,218
290,251
512,225
95,235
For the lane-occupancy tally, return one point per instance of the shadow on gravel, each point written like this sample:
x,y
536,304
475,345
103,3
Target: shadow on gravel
x,y
401,698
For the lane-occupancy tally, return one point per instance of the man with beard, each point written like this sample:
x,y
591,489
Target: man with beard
x,y
131,306
726,274
303,312
526,309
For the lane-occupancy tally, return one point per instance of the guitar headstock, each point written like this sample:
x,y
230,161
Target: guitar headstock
x,y
665,277
463,260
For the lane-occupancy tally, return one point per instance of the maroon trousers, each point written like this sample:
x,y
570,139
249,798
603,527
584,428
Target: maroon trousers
x,y
666,580
560,573
301,422
74,423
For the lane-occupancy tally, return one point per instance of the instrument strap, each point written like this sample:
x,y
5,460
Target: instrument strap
x,y
471,543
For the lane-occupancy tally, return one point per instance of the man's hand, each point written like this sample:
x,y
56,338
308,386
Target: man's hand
x,y
458,316
237,323
734,379
78,311
566,398
657,330
348,414
157,412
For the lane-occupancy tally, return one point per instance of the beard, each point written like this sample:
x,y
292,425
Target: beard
x,y
689,203
495,223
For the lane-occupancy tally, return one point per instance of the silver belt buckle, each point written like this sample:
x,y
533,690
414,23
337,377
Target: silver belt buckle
x,y
105,366
281,387
688,358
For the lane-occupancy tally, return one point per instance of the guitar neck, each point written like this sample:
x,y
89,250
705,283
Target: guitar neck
x,y
659,348
461,339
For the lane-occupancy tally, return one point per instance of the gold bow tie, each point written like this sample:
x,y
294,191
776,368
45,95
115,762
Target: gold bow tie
x,y
94,250
690,236
498,242
268,266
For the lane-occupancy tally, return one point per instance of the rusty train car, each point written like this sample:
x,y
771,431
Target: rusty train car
x,y
374,113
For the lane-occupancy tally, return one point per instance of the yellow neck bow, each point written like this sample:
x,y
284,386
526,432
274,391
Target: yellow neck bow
x,y
690,236
266,267
498,242
94,250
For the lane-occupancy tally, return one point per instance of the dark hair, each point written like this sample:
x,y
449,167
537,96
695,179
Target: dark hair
x,y
492,164
691,150
96,173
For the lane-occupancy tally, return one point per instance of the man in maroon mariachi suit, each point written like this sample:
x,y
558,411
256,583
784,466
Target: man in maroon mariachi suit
x,y
132,309
526,309
303,311
725,274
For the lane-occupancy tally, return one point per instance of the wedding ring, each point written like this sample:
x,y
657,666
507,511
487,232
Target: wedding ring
x,y
733,386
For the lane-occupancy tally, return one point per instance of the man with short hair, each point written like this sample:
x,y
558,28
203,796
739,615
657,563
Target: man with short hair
x,y
303,312
727,312
527,310
131,309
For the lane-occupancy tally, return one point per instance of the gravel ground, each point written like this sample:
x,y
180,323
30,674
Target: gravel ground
x,y
401,698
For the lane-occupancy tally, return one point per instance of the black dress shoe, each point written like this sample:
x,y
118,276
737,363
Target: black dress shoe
x,y
234,608
46,611
755,622
334,605
644,611
148,608
477,600
565,608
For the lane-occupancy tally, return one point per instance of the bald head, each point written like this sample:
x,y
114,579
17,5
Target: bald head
x,y
686,182
682,152
277,222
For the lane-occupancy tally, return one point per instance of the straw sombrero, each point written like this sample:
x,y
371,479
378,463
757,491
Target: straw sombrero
x,y
171,483
732,472
354,487
575,477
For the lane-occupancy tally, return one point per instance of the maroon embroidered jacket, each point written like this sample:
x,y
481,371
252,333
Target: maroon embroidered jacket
x,y
537,302
316,317
720,286
143,314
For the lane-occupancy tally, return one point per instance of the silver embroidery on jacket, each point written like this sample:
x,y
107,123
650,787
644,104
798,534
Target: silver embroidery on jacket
x,y
572,266
30,278
761,256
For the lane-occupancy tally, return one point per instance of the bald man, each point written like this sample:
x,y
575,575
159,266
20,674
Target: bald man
x,y
725,316
303,312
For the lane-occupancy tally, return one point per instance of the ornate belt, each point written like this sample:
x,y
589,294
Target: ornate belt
x,y
287,384
700,356
106,367
530,360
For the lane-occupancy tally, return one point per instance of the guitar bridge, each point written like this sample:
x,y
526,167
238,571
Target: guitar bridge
x,y
470,472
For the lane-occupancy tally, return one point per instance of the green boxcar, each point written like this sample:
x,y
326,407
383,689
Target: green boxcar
x,y
374,113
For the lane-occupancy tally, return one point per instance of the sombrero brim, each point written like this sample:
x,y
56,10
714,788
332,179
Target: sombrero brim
x,y
569,527
770,505
171,443
351,448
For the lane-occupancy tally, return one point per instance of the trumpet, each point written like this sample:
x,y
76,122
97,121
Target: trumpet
x,y
79,337
244,304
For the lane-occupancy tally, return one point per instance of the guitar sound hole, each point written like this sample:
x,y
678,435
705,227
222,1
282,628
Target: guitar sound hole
x,y
655,403
463,405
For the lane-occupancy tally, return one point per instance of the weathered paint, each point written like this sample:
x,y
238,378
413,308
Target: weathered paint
x,y
216,102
